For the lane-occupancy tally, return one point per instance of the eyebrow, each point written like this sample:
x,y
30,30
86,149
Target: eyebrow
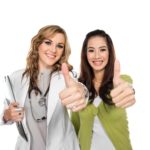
x,y
98,47
52,41
62,43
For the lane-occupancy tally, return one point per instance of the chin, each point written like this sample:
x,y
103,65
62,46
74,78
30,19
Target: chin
x,y
98,69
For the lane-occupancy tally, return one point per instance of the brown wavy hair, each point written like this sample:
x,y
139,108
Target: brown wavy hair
x,y
32,68
86,72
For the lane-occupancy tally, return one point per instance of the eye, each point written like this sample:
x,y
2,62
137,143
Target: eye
x,y
90,50
103,49
60,46
47,42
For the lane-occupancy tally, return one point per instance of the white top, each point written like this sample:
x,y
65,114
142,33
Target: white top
x,y
100,139
37,129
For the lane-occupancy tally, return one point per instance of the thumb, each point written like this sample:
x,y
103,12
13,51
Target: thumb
x,y
65,72
116,79
14,104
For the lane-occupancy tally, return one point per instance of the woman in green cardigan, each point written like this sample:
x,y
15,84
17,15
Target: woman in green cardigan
x,y
103,124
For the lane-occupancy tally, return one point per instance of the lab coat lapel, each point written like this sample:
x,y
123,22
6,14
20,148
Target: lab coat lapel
x,y
56,85
23,90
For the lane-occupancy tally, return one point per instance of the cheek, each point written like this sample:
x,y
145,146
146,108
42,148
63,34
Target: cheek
x,y
40,49
106,59
106,56
40,53
89,57
60,54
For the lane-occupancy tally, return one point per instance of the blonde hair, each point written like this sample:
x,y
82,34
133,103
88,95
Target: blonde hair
x,y
32,68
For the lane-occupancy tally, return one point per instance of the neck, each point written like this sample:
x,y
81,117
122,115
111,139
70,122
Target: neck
x,y
98,76
97,81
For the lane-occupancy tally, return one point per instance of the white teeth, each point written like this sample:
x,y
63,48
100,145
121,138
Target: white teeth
x,y
50,56
97,62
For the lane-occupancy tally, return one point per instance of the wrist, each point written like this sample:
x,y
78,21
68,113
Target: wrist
x,y
5,117
85,92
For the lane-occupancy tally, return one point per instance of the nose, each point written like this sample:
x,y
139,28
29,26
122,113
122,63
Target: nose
x,y
97,53
53,48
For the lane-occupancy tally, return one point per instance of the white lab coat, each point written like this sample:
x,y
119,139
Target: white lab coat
x,y
60,132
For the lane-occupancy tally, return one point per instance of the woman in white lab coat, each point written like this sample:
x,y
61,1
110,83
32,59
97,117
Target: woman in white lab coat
x,y
44,89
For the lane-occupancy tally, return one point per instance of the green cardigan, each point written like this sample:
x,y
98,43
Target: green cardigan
x,y
113,119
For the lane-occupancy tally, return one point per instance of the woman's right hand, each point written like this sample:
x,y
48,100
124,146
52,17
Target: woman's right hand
x,y
13,113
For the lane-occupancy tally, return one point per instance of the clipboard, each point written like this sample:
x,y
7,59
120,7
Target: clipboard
x,y
12,98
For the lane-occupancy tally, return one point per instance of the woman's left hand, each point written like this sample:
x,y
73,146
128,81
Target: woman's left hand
x,y
74,95
123,94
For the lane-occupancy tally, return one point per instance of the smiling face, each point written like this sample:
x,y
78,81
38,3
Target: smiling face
x,y
97,53
51,50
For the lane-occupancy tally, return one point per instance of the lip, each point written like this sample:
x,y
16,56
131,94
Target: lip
x,y
97,62
50,55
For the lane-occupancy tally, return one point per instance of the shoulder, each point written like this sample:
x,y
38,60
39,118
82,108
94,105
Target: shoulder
x,y
17,73
74,73
127,78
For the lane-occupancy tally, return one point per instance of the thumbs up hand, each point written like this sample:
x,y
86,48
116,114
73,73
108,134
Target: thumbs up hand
x,y
74,95
123,93
69,81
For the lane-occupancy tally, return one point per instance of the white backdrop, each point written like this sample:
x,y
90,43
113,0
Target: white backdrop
x,y
127,23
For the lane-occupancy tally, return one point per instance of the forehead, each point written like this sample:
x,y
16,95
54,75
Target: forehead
x,y
97,40
58,37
